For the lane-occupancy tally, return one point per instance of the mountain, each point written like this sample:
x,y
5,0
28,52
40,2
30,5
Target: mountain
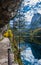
x,y
36,21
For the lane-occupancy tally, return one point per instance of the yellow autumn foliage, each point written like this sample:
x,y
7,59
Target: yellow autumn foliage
x,y
8,34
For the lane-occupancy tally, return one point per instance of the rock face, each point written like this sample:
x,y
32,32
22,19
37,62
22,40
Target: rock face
x,y
4,44
8,9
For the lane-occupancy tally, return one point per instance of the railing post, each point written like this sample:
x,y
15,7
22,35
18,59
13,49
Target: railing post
x,y
9,57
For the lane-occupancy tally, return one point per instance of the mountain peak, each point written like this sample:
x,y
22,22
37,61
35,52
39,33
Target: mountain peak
x,y
36,21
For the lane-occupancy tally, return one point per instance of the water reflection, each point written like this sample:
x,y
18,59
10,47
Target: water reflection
x,y
31,55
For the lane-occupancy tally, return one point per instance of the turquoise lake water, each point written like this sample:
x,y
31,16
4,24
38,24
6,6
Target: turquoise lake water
x,y
31,55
